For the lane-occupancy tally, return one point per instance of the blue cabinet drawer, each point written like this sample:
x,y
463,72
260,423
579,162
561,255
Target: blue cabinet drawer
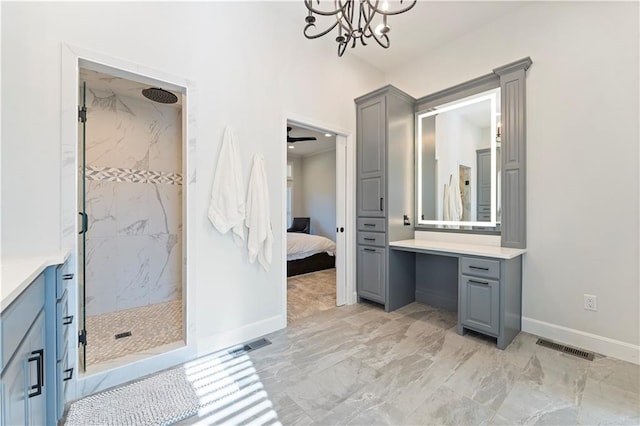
x,y
64,277
18,317
479,267
63,322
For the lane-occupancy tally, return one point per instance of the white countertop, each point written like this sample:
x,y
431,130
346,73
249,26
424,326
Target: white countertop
x,y
459,248
17,272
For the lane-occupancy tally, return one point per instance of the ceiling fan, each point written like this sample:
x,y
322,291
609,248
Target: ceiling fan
x,y
292,139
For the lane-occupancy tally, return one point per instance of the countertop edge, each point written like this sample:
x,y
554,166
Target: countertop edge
x,y
459,248
20,271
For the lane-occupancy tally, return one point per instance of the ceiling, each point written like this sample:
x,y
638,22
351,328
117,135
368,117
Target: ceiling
x,y
305,148
120,86
426,27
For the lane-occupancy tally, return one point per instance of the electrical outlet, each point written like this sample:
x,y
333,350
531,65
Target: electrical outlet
x,y
590,302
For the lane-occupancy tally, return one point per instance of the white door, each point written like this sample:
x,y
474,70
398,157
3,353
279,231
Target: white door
x,y
341,219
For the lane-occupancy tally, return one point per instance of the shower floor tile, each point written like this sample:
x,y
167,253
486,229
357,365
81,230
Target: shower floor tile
x,y
150,326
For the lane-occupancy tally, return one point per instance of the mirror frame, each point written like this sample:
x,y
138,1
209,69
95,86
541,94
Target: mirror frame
x,y
510,79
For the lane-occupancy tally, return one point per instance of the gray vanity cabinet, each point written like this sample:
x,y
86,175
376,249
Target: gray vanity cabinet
x,y
371,273
490,297
385,191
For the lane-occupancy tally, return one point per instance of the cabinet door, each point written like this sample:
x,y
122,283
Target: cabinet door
x,y
36,405
480,304
20,379
484,178
371,147
371,280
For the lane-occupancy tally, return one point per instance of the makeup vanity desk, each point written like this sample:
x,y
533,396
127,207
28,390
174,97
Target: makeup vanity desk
x,y
482,283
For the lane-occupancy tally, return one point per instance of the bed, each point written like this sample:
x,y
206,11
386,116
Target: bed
x,y
309,253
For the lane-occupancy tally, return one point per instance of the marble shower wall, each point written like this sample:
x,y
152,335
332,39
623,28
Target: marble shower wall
x,y
133,201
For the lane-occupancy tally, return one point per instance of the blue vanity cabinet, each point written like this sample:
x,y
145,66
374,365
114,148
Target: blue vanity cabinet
x,y
59,322
24,356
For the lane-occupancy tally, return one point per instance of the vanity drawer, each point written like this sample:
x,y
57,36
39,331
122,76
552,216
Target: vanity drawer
x,y
63,278
480,267
63,322
370,224
372,238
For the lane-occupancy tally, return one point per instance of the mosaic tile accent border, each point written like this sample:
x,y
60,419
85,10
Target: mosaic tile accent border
x,y
115,174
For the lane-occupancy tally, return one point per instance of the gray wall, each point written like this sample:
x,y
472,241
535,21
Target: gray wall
x,y
319,192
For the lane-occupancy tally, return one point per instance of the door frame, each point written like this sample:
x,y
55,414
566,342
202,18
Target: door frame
x,y
347,294
73,58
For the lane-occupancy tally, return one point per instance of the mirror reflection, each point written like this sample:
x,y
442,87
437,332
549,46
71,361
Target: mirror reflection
x,y
458,148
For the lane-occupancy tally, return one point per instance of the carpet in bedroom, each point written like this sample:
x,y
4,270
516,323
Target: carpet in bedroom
x,y
310,293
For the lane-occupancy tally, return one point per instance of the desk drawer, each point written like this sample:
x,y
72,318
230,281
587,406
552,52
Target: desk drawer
x,y
372,238
480,267
370,224
18,317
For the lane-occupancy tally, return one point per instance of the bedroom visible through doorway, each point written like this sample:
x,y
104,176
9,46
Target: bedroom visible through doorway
x,y
313,226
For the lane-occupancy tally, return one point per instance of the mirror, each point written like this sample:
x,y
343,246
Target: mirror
x,y
457,153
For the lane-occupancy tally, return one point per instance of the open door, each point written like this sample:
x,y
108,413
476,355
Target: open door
x,y
341,219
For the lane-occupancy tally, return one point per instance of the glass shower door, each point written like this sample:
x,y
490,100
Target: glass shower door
x,y
82,237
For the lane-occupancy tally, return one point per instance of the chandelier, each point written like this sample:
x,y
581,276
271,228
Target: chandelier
x,y
355,20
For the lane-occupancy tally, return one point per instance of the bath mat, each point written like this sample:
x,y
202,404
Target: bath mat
x,y
219,388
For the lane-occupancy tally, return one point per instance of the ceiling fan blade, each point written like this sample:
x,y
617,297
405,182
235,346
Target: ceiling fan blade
x,y
291,140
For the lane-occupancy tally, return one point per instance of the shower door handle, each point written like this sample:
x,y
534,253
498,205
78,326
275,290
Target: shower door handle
x,y
85,222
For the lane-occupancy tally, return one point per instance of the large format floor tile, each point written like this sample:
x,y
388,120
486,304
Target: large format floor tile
x,y
359,365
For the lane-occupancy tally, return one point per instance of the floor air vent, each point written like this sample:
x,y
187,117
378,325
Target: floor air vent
x,y
248,347
566,349
121,335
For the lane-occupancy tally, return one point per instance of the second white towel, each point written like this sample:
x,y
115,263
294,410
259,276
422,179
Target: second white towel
x,y
260,238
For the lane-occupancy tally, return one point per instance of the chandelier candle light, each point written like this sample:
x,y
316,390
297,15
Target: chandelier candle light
x,y
354,19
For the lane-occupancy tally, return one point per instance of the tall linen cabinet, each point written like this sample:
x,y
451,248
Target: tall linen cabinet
x,y
385,196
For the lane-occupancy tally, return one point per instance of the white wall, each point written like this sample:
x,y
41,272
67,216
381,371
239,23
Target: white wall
x,y
582,157
245,79
319,192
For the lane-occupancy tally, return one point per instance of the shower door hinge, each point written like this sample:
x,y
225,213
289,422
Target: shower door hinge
x,y
82,337
82,114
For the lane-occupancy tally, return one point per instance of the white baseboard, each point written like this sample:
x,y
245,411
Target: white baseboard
x,y
240,335
592,342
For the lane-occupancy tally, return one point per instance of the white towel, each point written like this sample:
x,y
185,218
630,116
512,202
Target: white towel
x,y
260,239
227,207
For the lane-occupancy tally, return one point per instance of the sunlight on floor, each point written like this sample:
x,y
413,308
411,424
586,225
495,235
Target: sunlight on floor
x,y
229,390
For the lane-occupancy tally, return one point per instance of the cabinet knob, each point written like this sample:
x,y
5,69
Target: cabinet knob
x,y
67,276
67,320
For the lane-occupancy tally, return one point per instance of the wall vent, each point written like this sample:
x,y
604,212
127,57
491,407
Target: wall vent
x,y
566,349
248,347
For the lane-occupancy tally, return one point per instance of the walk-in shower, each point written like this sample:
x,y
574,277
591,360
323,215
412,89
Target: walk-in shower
x,y
130,201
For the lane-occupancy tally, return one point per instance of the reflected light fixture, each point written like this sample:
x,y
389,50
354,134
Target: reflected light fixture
x,y
355,20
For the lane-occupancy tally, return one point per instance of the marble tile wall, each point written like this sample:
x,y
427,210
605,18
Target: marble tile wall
x,y
133,202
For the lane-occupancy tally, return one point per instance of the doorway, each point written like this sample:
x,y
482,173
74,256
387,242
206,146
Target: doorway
x,y
316,188
130,203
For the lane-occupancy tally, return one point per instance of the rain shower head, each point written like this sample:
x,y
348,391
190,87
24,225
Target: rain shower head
x,y
159,95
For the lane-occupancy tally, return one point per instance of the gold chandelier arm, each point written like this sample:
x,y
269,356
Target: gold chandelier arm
x,y
390,12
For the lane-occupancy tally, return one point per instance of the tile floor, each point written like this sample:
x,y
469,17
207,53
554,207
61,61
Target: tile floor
x,y
310,293
359,365
151,326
